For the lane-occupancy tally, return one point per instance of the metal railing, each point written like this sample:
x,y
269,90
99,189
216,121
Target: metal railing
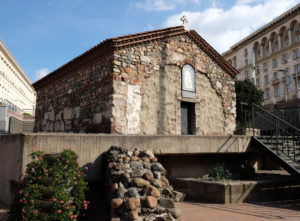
x,y
276,133
290,115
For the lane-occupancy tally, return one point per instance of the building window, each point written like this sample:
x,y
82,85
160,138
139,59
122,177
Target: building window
x,y
246,74
275,76
275,62
297,68
285,58
266,66
266,79
246,62
245,52
257,70
267,94
288,89
276,44
298,29
234,62
296,53
257,82
188,78
277,92
286,37
286,71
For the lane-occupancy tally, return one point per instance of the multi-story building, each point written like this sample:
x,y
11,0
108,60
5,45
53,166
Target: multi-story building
x,y
270,57
17,96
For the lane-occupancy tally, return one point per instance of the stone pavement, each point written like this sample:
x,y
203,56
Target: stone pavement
x,y
193,211
284,210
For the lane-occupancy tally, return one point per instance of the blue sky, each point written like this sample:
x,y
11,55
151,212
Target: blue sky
x,y
44,34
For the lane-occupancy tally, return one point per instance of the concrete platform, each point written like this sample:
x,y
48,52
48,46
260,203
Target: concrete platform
x,y
237,191
281,210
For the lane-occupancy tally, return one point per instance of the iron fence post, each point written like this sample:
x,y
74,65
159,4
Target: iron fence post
x,y
253,120
276,134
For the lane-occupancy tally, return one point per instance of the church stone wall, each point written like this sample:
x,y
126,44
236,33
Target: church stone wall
x,y
79,102
137,90
147,90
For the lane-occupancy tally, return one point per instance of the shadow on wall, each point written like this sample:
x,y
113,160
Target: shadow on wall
x,y
162,92
96,193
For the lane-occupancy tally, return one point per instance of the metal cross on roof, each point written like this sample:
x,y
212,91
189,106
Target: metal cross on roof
x,y
184,22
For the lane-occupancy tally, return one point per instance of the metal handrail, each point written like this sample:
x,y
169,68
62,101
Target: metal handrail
x,y
275,124
278,118
285,138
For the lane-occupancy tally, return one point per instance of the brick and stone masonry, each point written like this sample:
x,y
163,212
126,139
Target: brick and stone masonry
x,y
132,85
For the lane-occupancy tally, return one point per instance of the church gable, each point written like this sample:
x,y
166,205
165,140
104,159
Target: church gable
x,y
154,70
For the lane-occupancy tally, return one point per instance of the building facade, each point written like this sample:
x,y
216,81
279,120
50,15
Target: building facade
x,y
270,57
17,96
167,81
16,91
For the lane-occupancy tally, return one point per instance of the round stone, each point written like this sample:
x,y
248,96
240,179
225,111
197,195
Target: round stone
x,y
133,215
150,202
115,187
166,203
164,180
134,158
153,191
139,182
148,175
176,213
132,192
132,203
116,203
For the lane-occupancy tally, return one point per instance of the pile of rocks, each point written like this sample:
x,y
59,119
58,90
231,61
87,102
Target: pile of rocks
x,y
137,186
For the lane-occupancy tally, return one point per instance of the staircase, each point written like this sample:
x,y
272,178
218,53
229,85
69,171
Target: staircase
x,y
276,137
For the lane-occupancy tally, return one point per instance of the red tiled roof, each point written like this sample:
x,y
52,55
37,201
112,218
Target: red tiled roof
x,y
108,46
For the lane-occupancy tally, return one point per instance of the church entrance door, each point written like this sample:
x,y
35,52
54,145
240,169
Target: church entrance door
x,y
187,111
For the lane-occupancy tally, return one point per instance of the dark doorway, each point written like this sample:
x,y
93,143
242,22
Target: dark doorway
x,y
187,117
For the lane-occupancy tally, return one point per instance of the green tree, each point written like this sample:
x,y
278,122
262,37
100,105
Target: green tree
x,y
247,92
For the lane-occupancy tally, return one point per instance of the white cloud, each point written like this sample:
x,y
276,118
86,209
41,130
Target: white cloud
x,y
162,5
223,28
156,5
41,73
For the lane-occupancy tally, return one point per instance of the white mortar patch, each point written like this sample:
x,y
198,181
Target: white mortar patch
x,y
134,101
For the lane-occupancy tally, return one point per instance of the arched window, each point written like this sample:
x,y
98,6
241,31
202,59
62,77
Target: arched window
x,y
188,78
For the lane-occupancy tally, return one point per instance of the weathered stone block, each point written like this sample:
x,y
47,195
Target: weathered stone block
x,y
67,113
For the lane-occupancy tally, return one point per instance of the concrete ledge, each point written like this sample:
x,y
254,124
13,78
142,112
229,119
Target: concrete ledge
x,y
15,148
232,192
160,144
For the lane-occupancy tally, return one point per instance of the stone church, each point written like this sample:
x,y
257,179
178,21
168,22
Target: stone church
x,y
166,81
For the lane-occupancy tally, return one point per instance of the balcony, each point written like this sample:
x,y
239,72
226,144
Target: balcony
x,y
275,82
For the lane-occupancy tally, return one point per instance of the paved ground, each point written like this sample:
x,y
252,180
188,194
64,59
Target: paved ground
x,y
193,211
284,210
3,212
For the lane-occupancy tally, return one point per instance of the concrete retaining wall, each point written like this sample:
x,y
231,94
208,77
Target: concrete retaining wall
x,y
238,191
14,150
11,163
